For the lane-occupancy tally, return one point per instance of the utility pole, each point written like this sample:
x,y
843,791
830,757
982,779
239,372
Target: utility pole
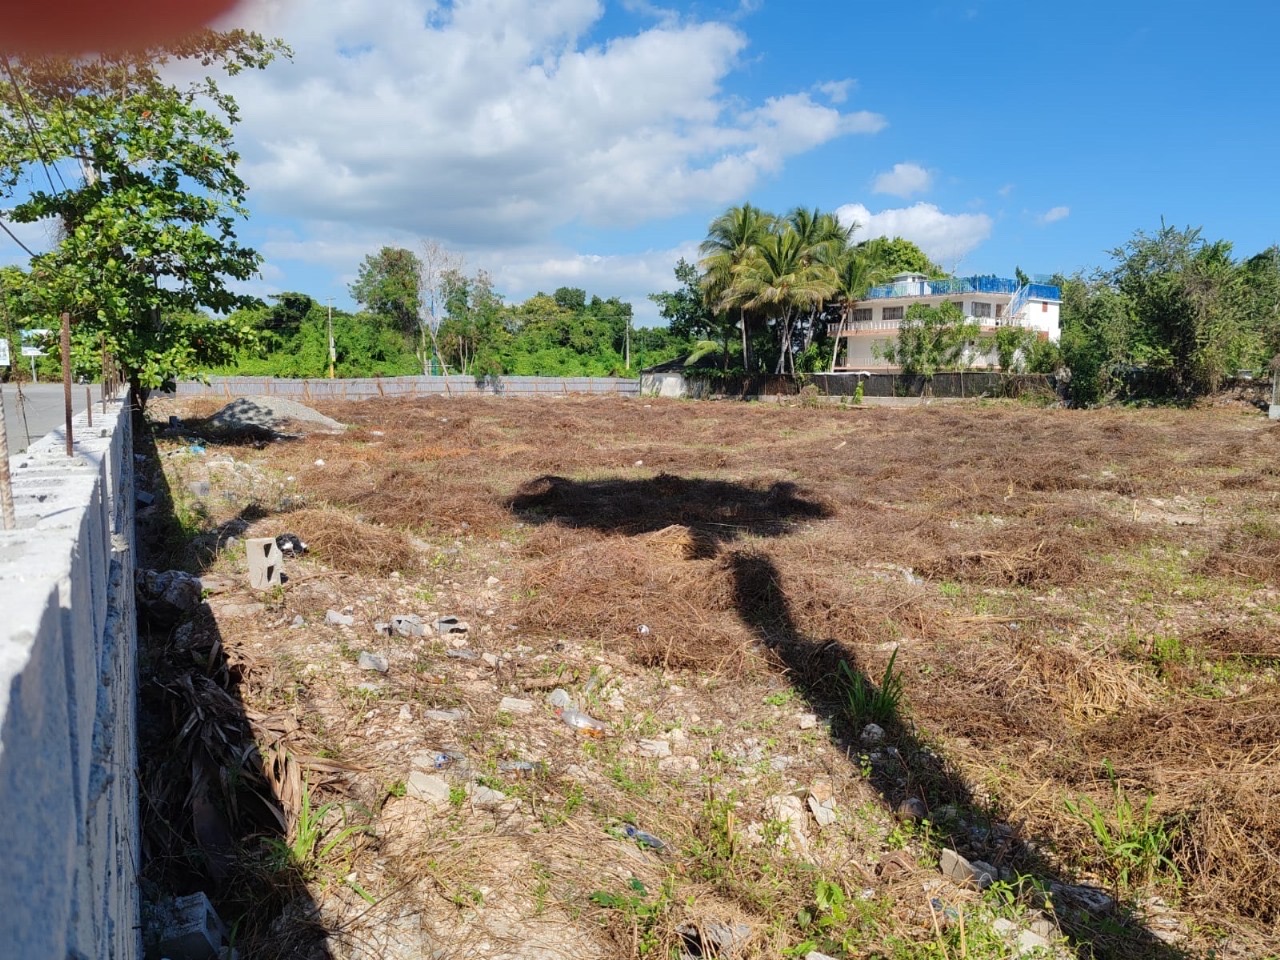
x,y
628,341
333,354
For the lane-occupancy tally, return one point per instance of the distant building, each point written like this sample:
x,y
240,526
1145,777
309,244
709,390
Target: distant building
x,y
991,302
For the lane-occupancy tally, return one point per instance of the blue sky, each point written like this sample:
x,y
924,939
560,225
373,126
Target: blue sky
x,y
588,143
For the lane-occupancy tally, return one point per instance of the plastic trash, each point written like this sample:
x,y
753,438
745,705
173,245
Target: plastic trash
x,y
447,758
585,725
559,698
290,544
643,838
196,449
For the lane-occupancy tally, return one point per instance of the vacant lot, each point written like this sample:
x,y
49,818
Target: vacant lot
x,y
1065,624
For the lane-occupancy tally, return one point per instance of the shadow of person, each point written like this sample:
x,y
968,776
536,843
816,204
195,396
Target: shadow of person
x,y
913,778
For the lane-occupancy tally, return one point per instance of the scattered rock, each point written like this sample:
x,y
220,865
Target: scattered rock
x,y
815,955
1089,899
654,748
408,625
373,661
912,810
165,597
490,660
675,764
297,622
516,705
823,812
483,796
228,610
338,619
808,721
427,787
788,811
977,874
446,716
872,733
450,625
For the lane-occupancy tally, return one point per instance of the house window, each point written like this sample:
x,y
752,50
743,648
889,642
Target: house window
x,y
862,315
1044,308
999,310
980,309
958,304
892,313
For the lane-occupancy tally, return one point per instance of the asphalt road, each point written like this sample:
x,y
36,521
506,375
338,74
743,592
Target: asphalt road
x,y
43,405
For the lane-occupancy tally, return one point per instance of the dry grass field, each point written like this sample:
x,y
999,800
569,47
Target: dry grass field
x,y
1066,624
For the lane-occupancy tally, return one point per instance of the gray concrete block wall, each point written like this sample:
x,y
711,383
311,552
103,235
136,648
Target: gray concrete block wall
x,y
68,699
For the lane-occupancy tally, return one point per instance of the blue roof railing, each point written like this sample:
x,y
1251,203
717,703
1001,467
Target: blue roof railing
x,y
961,285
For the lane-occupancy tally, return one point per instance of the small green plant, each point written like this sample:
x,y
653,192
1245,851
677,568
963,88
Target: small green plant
x,y
398,789
1134,841
311,841
867,703
457,796
780,698
639,912
857,393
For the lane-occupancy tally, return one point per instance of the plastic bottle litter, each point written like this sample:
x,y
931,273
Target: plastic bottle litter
x,y
644,839
446,758
585,725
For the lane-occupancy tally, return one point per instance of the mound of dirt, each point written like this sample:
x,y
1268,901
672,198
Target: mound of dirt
x,y
268,413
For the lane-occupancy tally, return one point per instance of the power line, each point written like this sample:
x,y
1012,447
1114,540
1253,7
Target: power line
x,y
13,236
31,125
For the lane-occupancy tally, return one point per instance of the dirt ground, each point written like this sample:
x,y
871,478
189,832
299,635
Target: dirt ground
x,y
830,645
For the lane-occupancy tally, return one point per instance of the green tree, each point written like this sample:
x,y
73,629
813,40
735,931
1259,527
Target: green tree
x,y
731,238
388,283
898,255
1183,297
931,339
782,277
689,319
148,231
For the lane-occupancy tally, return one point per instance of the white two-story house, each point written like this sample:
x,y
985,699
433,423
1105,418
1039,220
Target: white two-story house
x,y
991,302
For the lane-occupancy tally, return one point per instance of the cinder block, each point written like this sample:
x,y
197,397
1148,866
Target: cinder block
x,y
265,561
191,931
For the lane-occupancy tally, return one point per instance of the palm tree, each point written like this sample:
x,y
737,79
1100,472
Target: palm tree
x,y
731,238
825,240
856,273
782,278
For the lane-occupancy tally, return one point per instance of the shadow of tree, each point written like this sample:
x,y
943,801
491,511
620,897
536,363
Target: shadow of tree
x,y
902,768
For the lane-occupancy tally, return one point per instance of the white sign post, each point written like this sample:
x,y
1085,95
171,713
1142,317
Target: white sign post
x,y
4,351
29,348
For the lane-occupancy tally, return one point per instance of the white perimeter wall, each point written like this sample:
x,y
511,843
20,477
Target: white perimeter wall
x,y
68,755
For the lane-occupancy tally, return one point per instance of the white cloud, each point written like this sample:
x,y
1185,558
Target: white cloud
x,y
1053,214
495,121
1005,190
943,236
837,91
904,180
